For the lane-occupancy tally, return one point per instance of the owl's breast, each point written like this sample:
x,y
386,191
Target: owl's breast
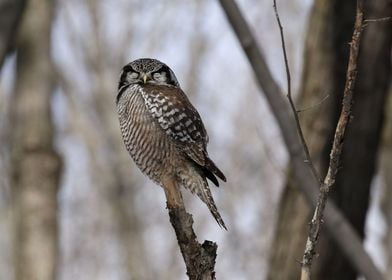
x,y
149,146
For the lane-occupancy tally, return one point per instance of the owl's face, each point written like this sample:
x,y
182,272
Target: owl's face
x,y
147,71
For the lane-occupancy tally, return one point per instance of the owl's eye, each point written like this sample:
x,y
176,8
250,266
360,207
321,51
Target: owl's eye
x,y
159,76
133,75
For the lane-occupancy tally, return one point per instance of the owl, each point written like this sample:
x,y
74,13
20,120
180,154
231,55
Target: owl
x,y
163,132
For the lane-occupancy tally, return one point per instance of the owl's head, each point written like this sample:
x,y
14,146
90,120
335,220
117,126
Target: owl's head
x,y
147,71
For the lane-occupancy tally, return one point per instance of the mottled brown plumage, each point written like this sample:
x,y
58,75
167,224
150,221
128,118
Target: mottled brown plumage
x,y
163,132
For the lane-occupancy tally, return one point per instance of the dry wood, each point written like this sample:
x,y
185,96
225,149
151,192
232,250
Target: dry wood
x,y
199,258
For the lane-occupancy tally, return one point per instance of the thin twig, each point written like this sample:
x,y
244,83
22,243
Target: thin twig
x,y
308,159
313,105
337,146
377,19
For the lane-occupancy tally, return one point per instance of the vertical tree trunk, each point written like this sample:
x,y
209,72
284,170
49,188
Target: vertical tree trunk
x,y
36,166
325,64
386,167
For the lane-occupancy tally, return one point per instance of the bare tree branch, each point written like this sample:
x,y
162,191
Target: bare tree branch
x,y
199,258
378,19
313,105
337,146
291,102
336,224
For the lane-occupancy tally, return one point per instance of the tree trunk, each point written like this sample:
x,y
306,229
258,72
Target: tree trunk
x,y
326,54
386,203
36,166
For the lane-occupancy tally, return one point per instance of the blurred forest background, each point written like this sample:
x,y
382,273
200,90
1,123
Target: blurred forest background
x,y
74,206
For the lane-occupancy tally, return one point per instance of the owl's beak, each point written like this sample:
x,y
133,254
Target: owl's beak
x,y
145,78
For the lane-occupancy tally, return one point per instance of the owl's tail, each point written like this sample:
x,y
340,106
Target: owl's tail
x,y
211,166
194,180
204,193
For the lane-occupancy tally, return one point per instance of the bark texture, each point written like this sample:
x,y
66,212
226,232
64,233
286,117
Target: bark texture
x,y
326,54
36,166
199,258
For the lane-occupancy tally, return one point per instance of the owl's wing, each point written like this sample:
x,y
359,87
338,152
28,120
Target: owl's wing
x,y
180,120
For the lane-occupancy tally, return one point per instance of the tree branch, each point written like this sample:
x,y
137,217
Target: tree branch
x,y
338,227
199,258
337,146
384,19
308,159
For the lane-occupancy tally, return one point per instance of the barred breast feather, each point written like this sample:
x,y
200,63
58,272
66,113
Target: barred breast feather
x,y
143,138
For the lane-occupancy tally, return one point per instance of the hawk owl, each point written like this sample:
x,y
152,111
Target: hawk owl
x,y
163,132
